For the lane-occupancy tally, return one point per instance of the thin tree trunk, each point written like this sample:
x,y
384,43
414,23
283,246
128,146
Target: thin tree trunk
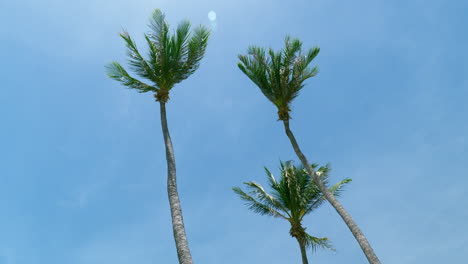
x,y
303,251
361,239
183,251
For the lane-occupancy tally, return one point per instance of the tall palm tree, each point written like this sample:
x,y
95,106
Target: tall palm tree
x,y
172,59
280,76
292,198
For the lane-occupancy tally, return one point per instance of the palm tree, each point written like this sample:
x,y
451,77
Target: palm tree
x,y
172,59
280,76
292,198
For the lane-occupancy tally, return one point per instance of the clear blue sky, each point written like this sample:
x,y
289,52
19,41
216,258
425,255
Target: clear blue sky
x,y
82,165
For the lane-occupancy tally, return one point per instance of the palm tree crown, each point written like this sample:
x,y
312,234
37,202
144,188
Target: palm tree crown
x,y
172,57
280,75
292,197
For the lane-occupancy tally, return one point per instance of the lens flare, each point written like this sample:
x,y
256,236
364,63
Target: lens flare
x,y
212,15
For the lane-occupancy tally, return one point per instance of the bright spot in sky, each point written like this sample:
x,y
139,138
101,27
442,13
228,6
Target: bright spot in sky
x,y
212,15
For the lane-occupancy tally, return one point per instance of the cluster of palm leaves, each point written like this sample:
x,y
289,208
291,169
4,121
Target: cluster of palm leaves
x,y
172,58
291,198
280,75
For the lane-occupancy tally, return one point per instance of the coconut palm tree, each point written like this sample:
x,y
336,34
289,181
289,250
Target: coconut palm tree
x,y
280,76
292,197
172,59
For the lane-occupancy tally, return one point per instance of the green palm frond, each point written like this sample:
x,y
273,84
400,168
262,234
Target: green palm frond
x,y
277,189
317,242
180,40
271,178
295,183
336,190
292,47
264,197
118,73
177,53
279,75
155,60
158,40
159,31
257,206
138,64
255,65
196,49
301,70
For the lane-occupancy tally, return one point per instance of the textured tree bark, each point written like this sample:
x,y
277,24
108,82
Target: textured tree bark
x,y
303,251
183,251
361,239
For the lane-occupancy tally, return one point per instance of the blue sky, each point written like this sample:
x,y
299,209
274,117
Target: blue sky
x,y
83,168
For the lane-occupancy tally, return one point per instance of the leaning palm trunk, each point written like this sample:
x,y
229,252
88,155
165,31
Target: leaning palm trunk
x,y
183,251
361,239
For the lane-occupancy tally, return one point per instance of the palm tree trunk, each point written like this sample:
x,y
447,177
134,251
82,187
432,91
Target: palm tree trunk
x,y
303,251
183,251
361,239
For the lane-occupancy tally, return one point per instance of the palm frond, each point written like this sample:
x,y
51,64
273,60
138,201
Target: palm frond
x,y
271,178
154,58
317,242
257,206
159,30
118,73
137,62
276,189
293,183
160,47
181,40
255,65
291,54
274,73
195,50
292,48
303,65
264,197
337,188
